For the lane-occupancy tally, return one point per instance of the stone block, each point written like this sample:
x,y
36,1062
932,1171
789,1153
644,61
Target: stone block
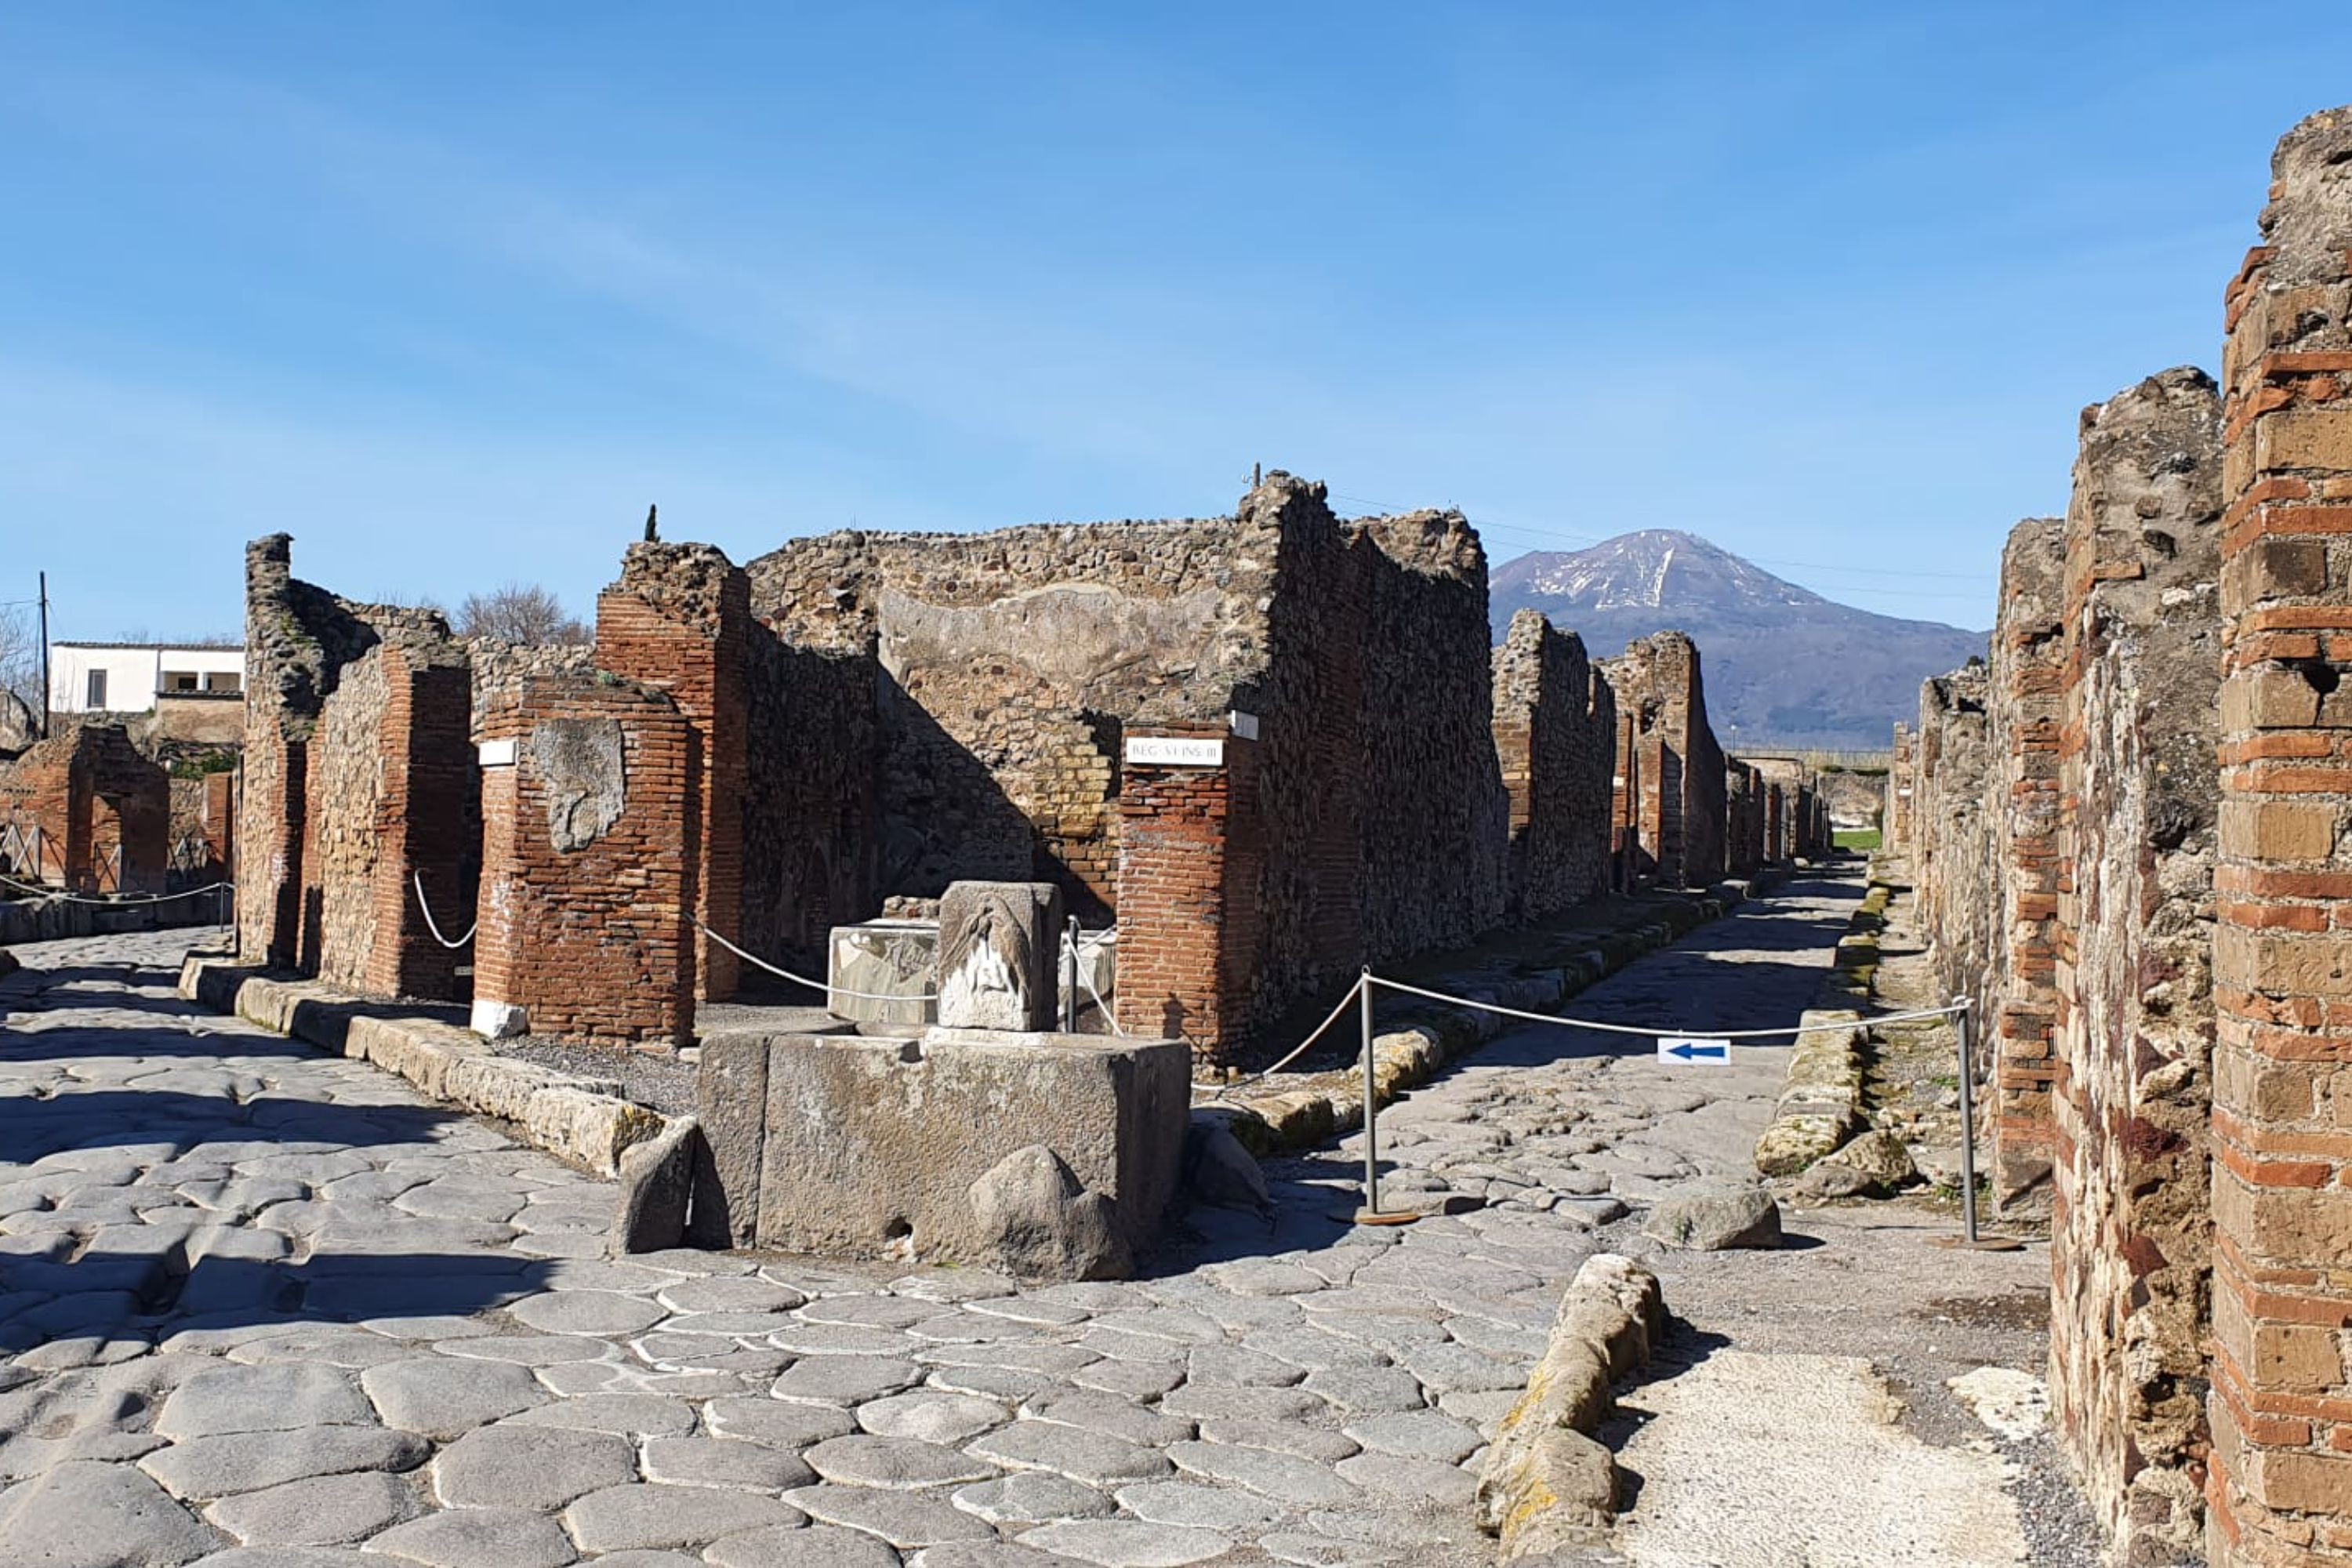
x,y
731,1094
2273,569
999,946
1034,1221
2304,437
884,971
656,1185
2279,830
872,1145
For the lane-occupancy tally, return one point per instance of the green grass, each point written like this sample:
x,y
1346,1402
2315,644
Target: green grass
x,y
1863,838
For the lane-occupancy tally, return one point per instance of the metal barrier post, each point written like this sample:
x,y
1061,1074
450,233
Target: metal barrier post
x,y
1968,1125
1070,977
1372,1101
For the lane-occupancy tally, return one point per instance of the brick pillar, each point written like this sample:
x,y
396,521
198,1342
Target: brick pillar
x,y
2028,680
219,821
591,797
423,818
680,619
1896,820
2281,1487
1192,845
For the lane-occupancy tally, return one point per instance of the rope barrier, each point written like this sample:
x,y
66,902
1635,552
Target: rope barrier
x,y
1301,1050
53,894
1078,968
416,880
1653,1033
802,979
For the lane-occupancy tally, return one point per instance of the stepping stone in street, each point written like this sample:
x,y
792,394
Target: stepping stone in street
x,y
529,1466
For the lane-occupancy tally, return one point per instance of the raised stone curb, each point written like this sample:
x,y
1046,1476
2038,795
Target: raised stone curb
x,y
1548,1483
58,919
1820,1101
584,1121
1323,1105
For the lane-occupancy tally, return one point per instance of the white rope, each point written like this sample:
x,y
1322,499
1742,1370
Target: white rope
x,y
1078,968
802,979
1301,1050
416,880
1655,1032
52,894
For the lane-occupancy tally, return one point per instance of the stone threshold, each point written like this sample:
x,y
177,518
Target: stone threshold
x,y
584,1122
1300,1111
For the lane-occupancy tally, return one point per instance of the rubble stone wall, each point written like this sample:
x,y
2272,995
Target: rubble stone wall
x,y
812,826
2281,1489
2028,702
2130,1254
1556,740
1955,860
1670,757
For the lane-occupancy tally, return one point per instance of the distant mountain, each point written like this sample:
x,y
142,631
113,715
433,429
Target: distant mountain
x,y
1783,666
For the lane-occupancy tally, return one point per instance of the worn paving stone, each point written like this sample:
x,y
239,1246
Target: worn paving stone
x,y
1286,1478
444,1397
479,1538
529,1466
1108,1413
906,1520
776,1423
639,1516
1128,1542
205,1468
845,1380
262,1399
1284,1437
324,1510
1388,1475
600,1312
1188,1502
637,1415
932,1416
83,1515
1030,1497
898,1464
722,1462
1096,1458
1417,1434
810,1546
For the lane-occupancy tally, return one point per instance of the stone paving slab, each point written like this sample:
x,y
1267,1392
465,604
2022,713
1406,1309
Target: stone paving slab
x,y
431,1303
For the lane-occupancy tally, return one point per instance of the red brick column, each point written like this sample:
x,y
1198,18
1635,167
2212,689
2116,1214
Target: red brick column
x,y
423,818
1191,850
591,798
2281,1487
2029,688
680,619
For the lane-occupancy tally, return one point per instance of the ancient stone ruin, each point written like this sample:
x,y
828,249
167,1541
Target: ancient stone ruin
x,y
87,812
2127,839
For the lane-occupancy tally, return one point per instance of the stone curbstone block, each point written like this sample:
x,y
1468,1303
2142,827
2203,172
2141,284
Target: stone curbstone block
x,y
1820,1108
1546,1484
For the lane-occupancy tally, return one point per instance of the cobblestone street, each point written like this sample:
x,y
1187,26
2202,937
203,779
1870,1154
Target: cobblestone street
x,y
265,1305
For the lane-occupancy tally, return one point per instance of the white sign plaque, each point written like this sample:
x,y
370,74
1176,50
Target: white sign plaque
x,y
1695,1051
497,753
1176,750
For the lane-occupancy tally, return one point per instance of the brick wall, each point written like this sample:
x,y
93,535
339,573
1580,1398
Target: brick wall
x,y
2280,1410
101,808
1671,758
1192,852
2027,697
1555,729
679,620
1743,816
2129,1247
588,857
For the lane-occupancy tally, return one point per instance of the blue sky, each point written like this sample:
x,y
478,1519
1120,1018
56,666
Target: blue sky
x,y
450,292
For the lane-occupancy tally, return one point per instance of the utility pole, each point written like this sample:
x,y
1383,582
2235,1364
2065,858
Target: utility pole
x,y
45,656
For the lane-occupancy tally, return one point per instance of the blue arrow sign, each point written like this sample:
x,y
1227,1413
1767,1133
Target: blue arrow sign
x,y
1700,1051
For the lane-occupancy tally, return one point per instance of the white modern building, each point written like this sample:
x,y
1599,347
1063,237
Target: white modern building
x,y
127,677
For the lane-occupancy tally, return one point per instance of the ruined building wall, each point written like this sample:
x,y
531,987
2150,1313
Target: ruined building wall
x,y
2027,692
1894,818
813,828
1555,732
1956,847
2129,1246
1670,759
101,811
2281,1490
1743,819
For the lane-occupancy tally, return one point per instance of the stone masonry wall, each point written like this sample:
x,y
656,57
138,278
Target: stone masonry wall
x,y
2129,1244
1955,847
589,860
812,831
101,809
1895,820
2281,1489
2028,698
1671,758
1743,819
1556,738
